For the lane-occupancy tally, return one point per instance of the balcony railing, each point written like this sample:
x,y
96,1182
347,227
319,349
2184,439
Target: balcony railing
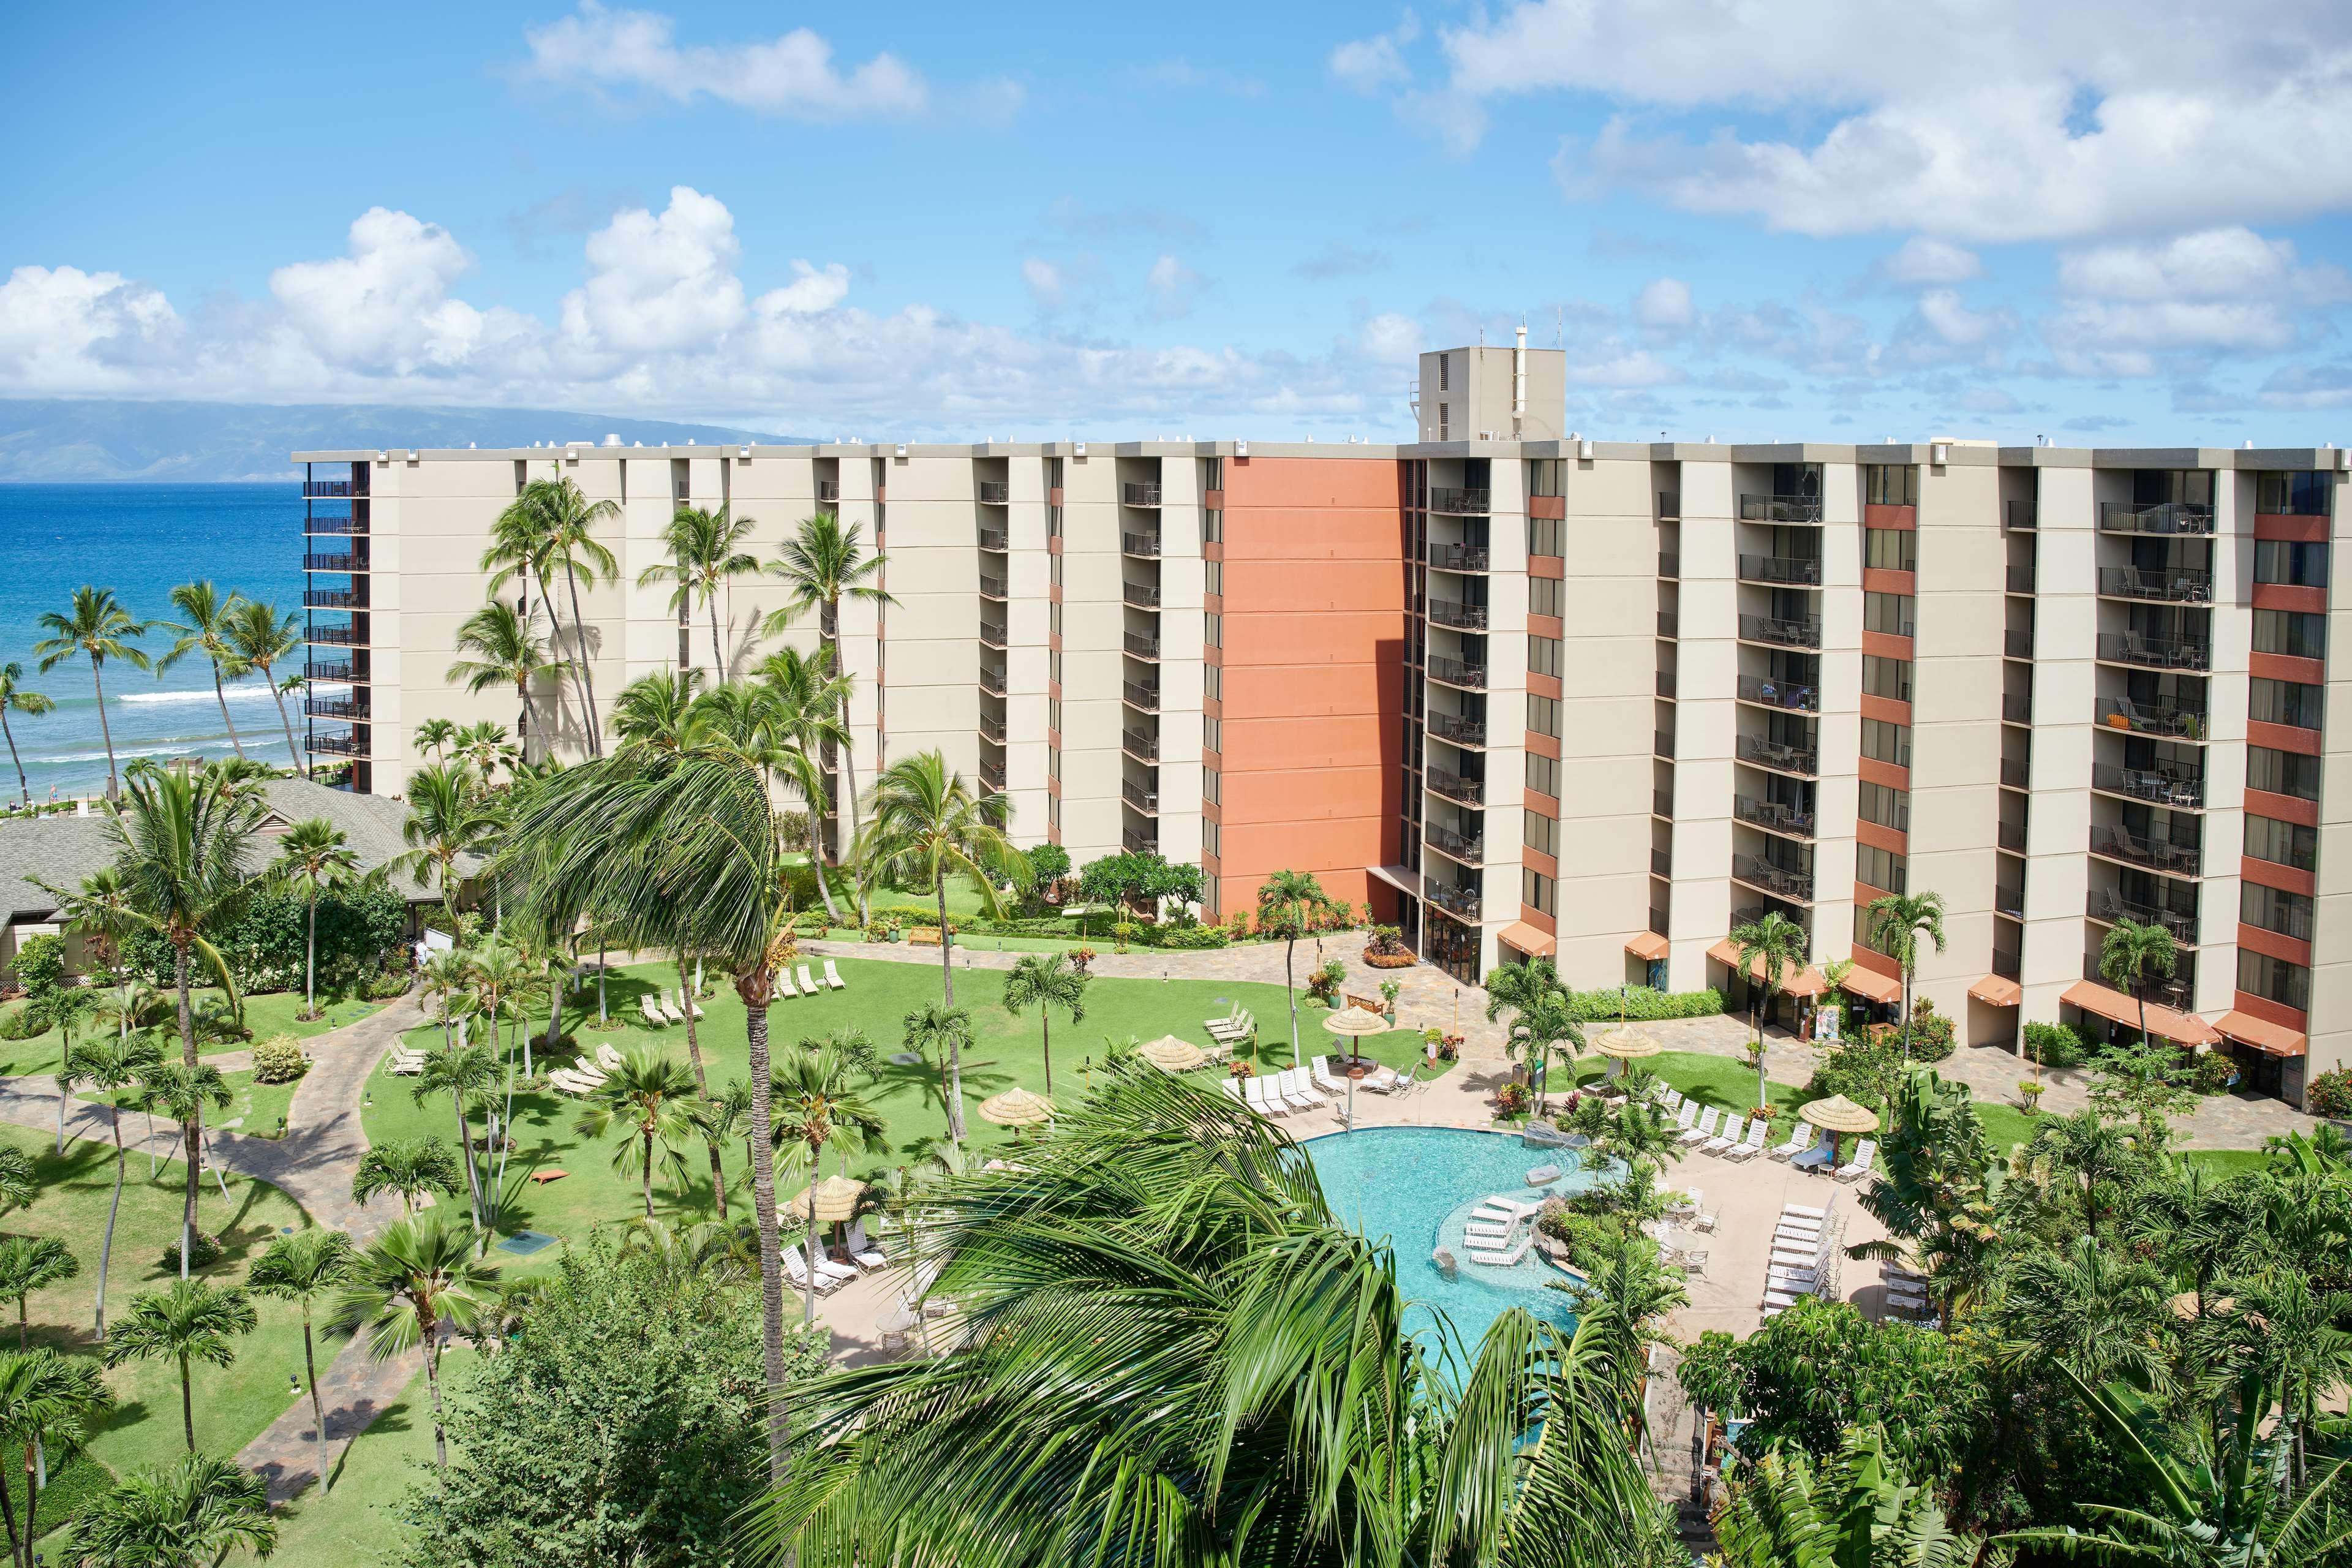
x,y
1145,544
1452,612
2013,772
2021,579
991,634
993,588
335,527
1773,816
1453,672
1144,595
1670,507
1144,494
1460,557
345,745
992,774
829,490
2156,854
1666,684
1782,633
2017,707
992,679
1454,786
1779,758
1140,840
2155,653
335,598
2009,836
1135,743
2169,517
993,538
2107,905
1146,801
1669,563
349,671
1141,647
1459,502
2170,787
1670,623
1662,803
1777,880
1662,744
1661,863
1139,695
1461,732
992,729
1792,570
336,708
2170,720
2175,588
337,636
2023,516
343,561
2017,642
2010,901
1782,694
2007,964
328,490
995,492
1460,846
1453,898
1779,508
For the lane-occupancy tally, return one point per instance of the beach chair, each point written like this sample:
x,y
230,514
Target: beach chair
x,y
1795,1146
833,977
1814,1158
1505,1259
862,1252
808,982
1727,1139
1258,1092
1753,1144
797,1267
1709,1119
670,1014
1297,1092
652,1014
1229,1024
1685,1117
1801,1211
1380,1080
1859,1166
1673,1102
784,983
686,1003
1233,1088
609,1059
1325,1081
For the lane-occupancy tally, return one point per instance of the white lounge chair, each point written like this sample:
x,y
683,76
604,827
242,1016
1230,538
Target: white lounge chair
x,y
1493,1234
1859,1166
669,1009
1709,1119
833,977
1298,1091
1505,1259
1728,1140
609,1059
1802,1211
1324,1080
863,1252
1687,1117
797,1267
784,983
686,1003
1753,1144
808,982
1798,1142
1380,1080
1262,1098
652,1014
1814,1158
1673,1100
1233,1088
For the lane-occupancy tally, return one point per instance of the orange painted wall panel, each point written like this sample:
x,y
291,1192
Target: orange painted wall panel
x,y
1307,586
1256,746
1292,690
1320,483
1337,637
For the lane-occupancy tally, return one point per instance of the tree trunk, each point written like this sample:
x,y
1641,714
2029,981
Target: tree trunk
x,y
191,1130
717,650
310,963
187,1400
587,675
832,640
220,694
1290,988
947,989
433,1386
702,1088
113,1209
466,1141
318,1407
36,1466
8,1520
809,1252
1046,1022
302,763
649,1176
24,785
105,729
1906,1013
754,986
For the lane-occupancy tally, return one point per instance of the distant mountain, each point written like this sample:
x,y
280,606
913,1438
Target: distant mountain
x,y
56,441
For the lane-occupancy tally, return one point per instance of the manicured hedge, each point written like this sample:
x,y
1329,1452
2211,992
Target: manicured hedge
x,y
359,931
1643,1004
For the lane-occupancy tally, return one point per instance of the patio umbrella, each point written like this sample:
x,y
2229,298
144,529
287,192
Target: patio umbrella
x,y
835,1197
1172,1054
1838,1114
1017,1108
1350,1024
1625,1045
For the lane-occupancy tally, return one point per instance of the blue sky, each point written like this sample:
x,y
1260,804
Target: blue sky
x,y
2105,221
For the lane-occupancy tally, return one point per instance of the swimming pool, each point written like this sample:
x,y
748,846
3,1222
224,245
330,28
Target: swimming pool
x,y
1413,1187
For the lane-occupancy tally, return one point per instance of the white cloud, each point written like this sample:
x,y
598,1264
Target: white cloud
x,y
1925,261
1045,283
1391,337
63,330
1953,321
811,291
1370,64
1173,288
2127,309
659,283
1663,305
386,304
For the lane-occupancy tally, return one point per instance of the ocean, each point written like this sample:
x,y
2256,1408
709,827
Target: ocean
x,y
141,540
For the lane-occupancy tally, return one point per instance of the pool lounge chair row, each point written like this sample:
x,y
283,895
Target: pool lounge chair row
x,y
1804,1256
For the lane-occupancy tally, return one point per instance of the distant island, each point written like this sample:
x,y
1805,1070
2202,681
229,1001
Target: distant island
x,y
58,440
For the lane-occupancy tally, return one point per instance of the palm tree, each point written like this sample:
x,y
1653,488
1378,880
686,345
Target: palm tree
x,y
923,824
1897,922
1543,1013
2099,1151
1288,904
646,1099
553,524
818,1108
434,737
808,696
30,1263
96,628
706,553
71,1007
181,1092
296,1268
49,1406
467,1073
189,1321
824,565
410,1167
260,639
447,826
207,630
2277,1322
483,747
1624,1294
414,1279
314,857
190,1514
938,1030
505,649
1766,950
2101,1312
14,696
1047,980
1856,1510
2132,955
112,1067
652,709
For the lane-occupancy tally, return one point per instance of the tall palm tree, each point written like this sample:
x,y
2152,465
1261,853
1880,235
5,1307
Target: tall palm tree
x,y
1047,980
182,1092
1765,951
647,1099
2102,1312
113,1068
1541,1012
2099,1152
652,709
552,524
207,628
824,565
447,826
1897,922
923,825
483,746
414,1279
189,1514
434,737
466,1075
2276,1321
818,1108
1288,904
1624,1294
409,1168
2134,954
298,1269
314,857
807,696
16,697
705,555
30,1263
49,1405
505,649
187,1321
261,639
935,1030
98,628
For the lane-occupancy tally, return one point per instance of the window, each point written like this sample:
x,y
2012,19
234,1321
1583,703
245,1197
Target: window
x,y
1211,840
1890,484
2298,565
1543,774
1054,763
2290,494
1886,743
1889,677
2295,635
1054,814
1213,786
1890,613
2283,843
1545,595
1445,371
1880,869
1053,666
1865,934
1212,474
1542,833
1213,681
1543,716
2285,702
1544,477
1445,416
1213,526
1887,807
1054,616
1214,578
1054,714
1543,535
2283,772
1538,892
1213,735
1890,549
1543,656
1054,569
2274,979
2272,909
1212,630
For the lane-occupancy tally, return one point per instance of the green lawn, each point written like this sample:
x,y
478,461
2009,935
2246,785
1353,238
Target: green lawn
x,y
266,1016
1729,1084
358,1521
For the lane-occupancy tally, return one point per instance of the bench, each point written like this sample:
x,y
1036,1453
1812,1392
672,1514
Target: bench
x,y
923,936
1371,1005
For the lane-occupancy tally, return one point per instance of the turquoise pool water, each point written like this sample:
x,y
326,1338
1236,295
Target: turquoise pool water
x,y
1413,1187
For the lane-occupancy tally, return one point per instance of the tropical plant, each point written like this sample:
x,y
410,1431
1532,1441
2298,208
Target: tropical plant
x,y
30,1263
447,826
189,1514
647,1099
483,747
259,639
113,1068
502,648
705,555
415,1278
49,1405
187,1321
298,1269
1856,1509
409,1168
2101,1312
466,1074
818,1108
1541,1016
95,626
1046,980
1289,904
808,696
941,1033
209,628
2132,955
434,737
1897,923
314,857
652,710
1765,951
1623,1295
552,524
16,697
824,565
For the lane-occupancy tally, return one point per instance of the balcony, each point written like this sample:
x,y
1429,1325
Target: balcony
x,y
992,774
2171,720
1662,744
1146,801
2009,836
1784,695
2017,642
1779,508
335,527
1140,840
2170,586
1143,595
2008,965
1670,507
1666,684
1669,564
2023,516
1137,695
1661,863
2021,579
1459,901
337,636
336,708
2152,854
2177,518
1458,730
2107,906
1453,672
1139,646
1454,786
995,588
2013,772
1460,557
1462,847
1780,759
991,730
1662,803
344,745
2155,653
1792,570
992,679
1670,624
1144,544
2171,788
1145,494
1452,612
343,561
993,538
1139,745
329,489
334,598
1459,502
991,634
829,490
2017,708
1797,886
346,671
995,492
1781,633
1773,816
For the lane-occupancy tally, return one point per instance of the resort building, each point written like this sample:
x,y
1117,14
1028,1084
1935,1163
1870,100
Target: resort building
x,y
1527,693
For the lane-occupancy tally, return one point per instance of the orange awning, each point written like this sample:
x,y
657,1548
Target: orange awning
x,y
1648,946
1529,940
1998,991
1808,982
2262,1034
1871,983
2186,1028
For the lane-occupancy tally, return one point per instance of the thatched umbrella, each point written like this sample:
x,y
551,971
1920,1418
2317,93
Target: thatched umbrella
x,y
1838,1114
1017,1108
1352,1025
837,1199
1172,1054
1627,1045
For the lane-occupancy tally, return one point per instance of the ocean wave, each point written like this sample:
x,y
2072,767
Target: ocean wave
x,y
124,754
173,698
